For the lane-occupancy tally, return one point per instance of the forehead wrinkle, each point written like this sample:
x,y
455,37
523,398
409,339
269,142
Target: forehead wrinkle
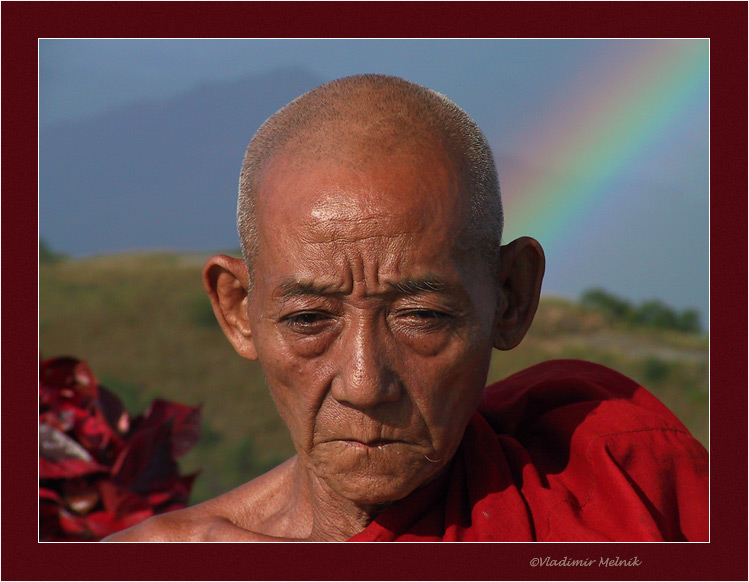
x,y
364,227
336,205
340,239
349,226
410,286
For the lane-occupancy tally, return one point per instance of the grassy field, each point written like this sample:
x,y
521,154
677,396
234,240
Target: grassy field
x,y
144,325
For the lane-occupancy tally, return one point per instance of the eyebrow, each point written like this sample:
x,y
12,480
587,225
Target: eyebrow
x,y
423,285
428,284
295,288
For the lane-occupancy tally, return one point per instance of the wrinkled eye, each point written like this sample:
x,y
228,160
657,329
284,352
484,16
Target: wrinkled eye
x,y
307,321
307,318
426,314
424,320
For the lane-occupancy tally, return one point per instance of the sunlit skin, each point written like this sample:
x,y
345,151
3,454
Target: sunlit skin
x,y
373,335
374,321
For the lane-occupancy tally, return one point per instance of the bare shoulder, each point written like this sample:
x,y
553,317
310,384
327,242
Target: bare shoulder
x,y
255,511
185,525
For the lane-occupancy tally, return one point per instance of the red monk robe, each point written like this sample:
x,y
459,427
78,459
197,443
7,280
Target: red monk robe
x,y
563,451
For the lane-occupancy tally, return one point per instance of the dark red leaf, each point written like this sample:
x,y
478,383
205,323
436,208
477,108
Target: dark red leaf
x,y
185,426
67,468
95,434
119,501
85,380
146,463
55,400
55,445
101,523
160,497
91,527
73,525
114,411
101,470
50,495
58,372
49,520
69,375
61,457
62,417
176,490
80,495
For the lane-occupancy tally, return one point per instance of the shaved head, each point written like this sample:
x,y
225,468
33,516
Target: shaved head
x,y
371,294
352,120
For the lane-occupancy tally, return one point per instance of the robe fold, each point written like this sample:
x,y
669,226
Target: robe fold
x,y
564,451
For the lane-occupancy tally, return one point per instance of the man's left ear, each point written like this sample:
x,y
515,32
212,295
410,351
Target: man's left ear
x,y
521,271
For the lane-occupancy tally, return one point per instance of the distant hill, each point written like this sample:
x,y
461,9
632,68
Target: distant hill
x,y
120,181
162,175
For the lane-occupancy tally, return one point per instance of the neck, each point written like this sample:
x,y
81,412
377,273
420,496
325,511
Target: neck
x,y
330,516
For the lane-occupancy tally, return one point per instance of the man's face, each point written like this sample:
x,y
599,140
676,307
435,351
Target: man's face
x,y
374,330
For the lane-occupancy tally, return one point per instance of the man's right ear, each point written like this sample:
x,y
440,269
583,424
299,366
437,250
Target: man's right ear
x,y
226,281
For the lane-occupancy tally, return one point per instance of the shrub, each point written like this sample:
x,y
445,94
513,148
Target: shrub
x,y
656,370
606,302
656,314
100,470
47,256
652,313
689,321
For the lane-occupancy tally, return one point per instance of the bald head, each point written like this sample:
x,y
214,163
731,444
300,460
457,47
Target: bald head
x,y
352,121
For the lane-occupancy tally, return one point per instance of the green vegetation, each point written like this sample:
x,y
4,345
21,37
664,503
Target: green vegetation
x,y
145,326
652,313
47,256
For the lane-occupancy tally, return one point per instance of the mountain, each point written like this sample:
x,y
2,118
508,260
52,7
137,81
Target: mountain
x,y
157,174
163,175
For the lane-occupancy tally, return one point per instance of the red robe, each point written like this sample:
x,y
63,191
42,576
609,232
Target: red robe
x,y
563,451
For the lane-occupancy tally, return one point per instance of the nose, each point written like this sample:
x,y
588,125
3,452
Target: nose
x,y
365,377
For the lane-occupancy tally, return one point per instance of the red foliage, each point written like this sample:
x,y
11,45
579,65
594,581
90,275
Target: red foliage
x,y
100,470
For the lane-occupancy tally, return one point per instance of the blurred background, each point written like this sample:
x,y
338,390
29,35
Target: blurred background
x,y
603,155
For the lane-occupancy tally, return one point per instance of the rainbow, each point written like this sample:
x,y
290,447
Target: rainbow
x,y
591,137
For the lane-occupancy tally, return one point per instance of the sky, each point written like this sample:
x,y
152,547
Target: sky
x,y
602,145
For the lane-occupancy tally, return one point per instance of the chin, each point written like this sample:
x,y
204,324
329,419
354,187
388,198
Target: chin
x,y
372,475
374,490
368,486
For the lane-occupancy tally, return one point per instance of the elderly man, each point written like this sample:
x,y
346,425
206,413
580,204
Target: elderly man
x,y
372,291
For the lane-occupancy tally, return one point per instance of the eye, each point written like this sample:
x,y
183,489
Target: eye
x,y
425,314
424,319
307,321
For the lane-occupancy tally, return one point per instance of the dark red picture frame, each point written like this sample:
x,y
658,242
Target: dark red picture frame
x,y
724,23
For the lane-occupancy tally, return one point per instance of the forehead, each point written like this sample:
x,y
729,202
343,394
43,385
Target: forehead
x,y
352,192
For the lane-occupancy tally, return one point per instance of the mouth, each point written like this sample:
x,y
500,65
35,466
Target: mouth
x,y
368,445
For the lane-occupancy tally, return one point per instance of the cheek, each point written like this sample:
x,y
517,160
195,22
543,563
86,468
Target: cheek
x,y
297,385
424,346
451,388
